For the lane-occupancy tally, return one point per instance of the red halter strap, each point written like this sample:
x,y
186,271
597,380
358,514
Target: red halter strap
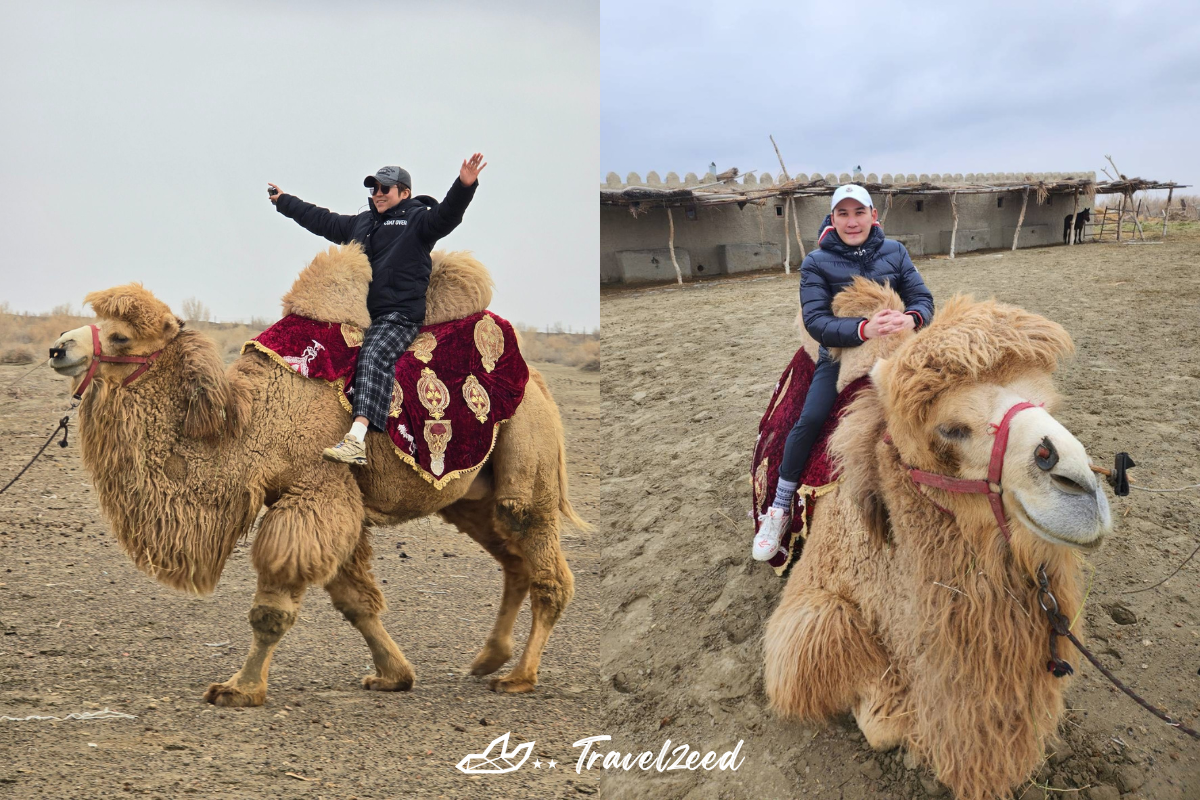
x,y
991,487
97,357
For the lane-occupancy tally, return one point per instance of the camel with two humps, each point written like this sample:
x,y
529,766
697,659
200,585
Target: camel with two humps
x,y
186,456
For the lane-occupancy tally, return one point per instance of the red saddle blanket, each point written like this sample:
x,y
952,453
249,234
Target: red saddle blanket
x,y
454,386
819,476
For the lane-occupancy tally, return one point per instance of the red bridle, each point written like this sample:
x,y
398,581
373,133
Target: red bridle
x,y
97,357
992,486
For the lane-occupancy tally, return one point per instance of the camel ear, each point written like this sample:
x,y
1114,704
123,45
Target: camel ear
x,y
208,390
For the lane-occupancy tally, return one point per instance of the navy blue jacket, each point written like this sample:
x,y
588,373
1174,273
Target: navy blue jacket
x,y
831,268
397,243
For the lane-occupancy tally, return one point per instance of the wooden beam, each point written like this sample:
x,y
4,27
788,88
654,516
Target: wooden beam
x,y
1120,214
1167,213
671,246
1021,219
1071,228
1137,224
796,225
787,239
954,211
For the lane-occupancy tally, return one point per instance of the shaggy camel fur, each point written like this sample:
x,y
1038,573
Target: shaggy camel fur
x,y
924,624
184,458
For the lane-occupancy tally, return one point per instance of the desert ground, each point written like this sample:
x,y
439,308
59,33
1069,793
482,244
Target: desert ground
x,y
687,375
84,631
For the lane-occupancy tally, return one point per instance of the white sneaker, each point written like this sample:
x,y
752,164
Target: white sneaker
x,y
771,527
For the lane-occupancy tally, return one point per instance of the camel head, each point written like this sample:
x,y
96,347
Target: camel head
x,y
134,323
945,391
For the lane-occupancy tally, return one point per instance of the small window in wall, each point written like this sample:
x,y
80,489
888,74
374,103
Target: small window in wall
x,y
779,211
920,205
1000,202
691,213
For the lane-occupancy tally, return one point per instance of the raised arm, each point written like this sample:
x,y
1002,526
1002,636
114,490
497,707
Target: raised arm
x,y
434,225
336,228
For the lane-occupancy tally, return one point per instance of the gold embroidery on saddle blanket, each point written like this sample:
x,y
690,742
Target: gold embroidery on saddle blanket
x,y
477,398
437,436
397,407
422,347
489,341
433,394
759,481
352,335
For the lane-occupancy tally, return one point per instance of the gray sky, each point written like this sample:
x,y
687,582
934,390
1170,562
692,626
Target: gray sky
x,y
136,141
913,87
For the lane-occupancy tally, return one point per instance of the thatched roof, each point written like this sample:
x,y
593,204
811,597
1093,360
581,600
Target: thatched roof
x,y
728,191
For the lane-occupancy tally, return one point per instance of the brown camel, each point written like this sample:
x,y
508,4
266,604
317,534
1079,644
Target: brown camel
x,y
185,456
908,607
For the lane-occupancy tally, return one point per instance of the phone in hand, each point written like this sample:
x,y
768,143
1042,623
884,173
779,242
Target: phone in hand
x,y
272,191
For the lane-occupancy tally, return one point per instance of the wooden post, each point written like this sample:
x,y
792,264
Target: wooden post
x,y
1074,211
1137,223
1120,216
787,239
796,225
887,206
954,211
786,177
1103,222
1167,212
1021,219
671,245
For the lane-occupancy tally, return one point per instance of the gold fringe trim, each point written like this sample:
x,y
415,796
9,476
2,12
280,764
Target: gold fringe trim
x,y
340,383
809,493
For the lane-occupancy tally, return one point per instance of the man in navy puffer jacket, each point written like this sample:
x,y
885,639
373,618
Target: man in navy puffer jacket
x,y
851,243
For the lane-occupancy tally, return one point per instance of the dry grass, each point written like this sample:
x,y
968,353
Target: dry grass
x,y
571,349
26,338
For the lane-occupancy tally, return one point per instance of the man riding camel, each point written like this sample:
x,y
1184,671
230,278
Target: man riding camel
x,y
851,244
397,235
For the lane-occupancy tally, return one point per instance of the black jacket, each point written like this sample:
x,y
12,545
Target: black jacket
x,y
832,267
397,243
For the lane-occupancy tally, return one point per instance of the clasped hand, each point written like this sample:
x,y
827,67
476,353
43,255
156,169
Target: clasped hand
x,y
887,322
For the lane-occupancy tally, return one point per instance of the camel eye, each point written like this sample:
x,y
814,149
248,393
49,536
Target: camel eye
x,y
117,338
954,433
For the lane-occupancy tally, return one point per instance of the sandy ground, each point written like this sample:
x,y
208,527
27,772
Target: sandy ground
x,y
84,631
687,374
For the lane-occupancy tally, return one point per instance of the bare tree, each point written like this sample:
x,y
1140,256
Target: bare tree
x,y
195,311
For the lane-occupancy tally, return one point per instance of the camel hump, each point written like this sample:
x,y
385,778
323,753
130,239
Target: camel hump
x,y
333,287
864,297
459,286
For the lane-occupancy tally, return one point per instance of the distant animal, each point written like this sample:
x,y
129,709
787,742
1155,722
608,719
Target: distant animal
x,y
1081,219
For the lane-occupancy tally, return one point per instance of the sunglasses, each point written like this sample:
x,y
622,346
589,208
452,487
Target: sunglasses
x,y
379,189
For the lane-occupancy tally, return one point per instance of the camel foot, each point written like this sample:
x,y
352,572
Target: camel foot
x,y
511,684
377,684
224,694
488,661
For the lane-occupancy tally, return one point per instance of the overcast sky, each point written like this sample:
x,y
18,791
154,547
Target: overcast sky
x,y
901,87
137,138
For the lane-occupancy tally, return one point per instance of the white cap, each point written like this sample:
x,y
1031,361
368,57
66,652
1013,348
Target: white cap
x,y
854,192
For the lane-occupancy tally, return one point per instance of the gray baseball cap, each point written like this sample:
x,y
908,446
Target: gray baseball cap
x,y
389,176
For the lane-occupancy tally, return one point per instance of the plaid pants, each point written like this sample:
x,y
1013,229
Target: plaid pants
x,y
383,344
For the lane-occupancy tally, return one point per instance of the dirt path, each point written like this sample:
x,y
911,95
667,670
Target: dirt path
x,y
85,631
687,374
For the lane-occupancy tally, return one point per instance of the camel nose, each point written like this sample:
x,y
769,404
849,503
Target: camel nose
x,y
1045,455
58,352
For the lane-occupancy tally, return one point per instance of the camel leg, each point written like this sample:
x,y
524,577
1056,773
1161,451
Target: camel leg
x,y
883,711
474,518
820,656
304,537
354,593
533,533
272,615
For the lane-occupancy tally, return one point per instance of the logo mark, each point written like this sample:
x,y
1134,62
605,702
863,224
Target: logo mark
x,y
499,762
